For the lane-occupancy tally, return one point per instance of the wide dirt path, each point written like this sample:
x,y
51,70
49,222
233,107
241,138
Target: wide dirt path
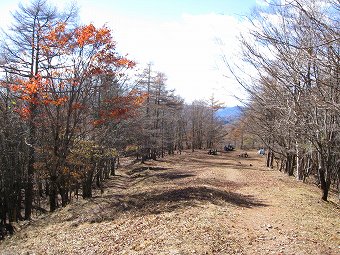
x,y
192,203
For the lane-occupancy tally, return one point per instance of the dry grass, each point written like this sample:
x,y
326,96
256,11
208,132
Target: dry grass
x,y
192,203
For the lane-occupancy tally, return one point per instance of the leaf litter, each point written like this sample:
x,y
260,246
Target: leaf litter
x,y
192,203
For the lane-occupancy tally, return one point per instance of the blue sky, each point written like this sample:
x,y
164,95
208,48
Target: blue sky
x,y
172,9
178,36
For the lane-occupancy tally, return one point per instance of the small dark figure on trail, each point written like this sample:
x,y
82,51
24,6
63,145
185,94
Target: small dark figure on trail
x,y
261,151
212,152
229,147
244,155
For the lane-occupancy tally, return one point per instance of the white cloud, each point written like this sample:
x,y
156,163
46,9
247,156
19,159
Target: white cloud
x,y
185,50
6,17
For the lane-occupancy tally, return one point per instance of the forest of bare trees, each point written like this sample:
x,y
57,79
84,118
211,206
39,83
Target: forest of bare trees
x,y
292,52
70,106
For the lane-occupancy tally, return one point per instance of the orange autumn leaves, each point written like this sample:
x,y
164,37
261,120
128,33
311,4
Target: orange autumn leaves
x,y
88,37
56,37
105,60
120,107
94,48
35,91
79,37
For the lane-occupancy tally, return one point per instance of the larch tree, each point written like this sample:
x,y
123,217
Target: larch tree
x,y
23,58
60,73
293,49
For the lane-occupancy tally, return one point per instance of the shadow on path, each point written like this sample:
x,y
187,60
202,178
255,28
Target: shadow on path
x,y
157,201
145,168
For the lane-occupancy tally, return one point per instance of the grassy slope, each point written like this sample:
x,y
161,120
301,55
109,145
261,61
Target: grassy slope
x,y
190,204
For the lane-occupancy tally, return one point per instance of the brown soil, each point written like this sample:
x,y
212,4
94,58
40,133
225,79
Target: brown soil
x,y
192,203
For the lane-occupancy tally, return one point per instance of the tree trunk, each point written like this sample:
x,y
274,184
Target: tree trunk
x,y
323,183
87,184
3,211
271,159
19,216
40,189
298,161
53,193
87,188
322,178
47,188
64,196
112,163
30,174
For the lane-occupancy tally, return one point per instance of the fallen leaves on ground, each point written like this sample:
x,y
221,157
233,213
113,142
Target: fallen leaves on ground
x,y
191,203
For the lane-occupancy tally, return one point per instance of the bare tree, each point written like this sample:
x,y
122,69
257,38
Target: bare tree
x,y
294,49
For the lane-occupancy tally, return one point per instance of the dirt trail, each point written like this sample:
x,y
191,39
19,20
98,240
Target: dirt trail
x,y
192,203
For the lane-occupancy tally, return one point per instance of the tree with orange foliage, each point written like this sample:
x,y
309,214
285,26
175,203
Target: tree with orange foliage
x,y
59,75
23,59
88,55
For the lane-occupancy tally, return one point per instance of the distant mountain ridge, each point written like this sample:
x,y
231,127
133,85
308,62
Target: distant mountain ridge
x,y
230,114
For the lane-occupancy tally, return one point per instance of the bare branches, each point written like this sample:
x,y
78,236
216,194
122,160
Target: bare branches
x,y
295,94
